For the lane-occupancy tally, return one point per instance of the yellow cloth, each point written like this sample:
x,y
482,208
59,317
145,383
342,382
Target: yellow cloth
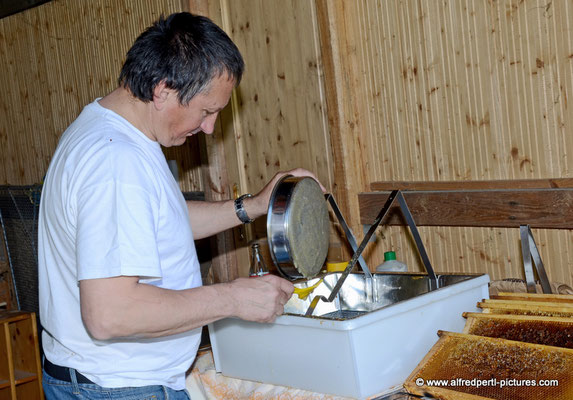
x,y
204,383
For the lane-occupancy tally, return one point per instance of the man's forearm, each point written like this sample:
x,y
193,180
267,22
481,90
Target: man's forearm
x,y
122,307
210,218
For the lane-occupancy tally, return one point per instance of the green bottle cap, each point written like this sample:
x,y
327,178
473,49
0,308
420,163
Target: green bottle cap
x,y
389,255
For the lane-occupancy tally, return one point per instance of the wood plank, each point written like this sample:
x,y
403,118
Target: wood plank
x,y
5,357
344,80
474,185
10,316
550,298
21,376
526,309
509,208
527,303
8,367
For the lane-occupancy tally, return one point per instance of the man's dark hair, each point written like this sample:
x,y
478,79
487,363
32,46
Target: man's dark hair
x,y
184,50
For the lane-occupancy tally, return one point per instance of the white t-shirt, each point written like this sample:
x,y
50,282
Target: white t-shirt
x,y
110,206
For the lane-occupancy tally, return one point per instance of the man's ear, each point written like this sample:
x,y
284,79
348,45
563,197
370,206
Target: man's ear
x,y
160,95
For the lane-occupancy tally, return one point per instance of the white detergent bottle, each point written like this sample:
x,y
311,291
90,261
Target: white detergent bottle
x,y
390,264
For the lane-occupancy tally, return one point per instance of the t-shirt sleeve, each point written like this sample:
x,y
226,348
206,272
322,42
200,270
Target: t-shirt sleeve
x,y
117,225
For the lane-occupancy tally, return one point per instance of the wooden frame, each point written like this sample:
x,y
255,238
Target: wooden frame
x,y
20,364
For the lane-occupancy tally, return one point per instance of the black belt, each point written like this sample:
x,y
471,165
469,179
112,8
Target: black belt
x,y
63,373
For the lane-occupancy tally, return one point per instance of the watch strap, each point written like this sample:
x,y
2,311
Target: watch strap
x,y
240,209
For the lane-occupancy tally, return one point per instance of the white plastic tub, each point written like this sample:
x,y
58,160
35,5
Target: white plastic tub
x,y
358,357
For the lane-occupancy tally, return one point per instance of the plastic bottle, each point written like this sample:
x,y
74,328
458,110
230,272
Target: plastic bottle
x,y
258,266
391,264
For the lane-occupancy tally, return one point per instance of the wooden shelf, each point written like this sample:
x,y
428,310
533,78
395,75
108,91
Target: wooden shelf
x,y
20,365
24,376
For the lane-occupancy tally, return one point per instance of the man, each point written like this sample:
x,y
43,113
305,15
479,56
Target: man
x,y
121,301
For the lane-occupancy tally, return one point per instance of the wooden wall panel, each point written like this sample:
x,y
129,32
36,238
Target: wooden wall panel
x,y
56,58
455,90
277,119
357,91
280,113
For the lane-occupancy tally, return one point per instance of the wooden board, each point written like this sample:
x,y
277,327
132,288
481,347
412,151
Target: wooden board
x,y
505,208
550,298
526,309
528,303
473,185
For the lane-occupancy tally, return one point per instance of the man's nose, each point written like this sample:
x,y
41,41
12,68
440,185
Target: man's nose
x,y
208,124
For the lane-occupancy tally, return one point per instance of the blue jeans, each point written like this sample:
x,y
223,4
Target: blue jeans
x,y
54,389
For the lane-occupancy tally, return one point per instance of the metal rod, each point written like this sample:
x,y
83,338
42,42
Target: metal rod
x,y
545,285
348,232
526,254
530,251
433,279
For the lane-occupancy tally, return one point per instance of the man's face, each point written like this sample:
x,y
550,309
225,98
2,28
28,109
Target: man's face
x,y
180,122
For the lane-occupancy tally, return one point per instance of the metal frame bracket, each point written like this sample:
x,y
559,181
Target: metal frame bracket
x,y
530,251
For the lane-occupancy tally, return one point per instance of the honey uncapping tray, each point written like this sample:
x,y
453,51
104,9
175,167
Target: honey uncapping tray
x,y
477,367
550,331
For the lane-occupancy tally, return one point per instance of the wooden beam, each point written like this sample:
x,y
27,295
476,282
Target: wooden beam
x,y
344,101
474,185
550,208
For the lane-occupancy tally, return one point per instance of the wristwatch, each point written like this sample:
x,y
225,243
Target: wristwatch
x,y
240,209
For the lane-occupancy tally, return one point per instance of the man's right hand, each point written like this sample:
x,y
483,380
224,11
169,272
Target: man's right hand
x,y
260,299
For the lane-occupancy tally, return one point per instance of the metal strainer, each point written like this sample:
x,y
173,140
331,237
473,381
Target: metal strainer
x,y
298,227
